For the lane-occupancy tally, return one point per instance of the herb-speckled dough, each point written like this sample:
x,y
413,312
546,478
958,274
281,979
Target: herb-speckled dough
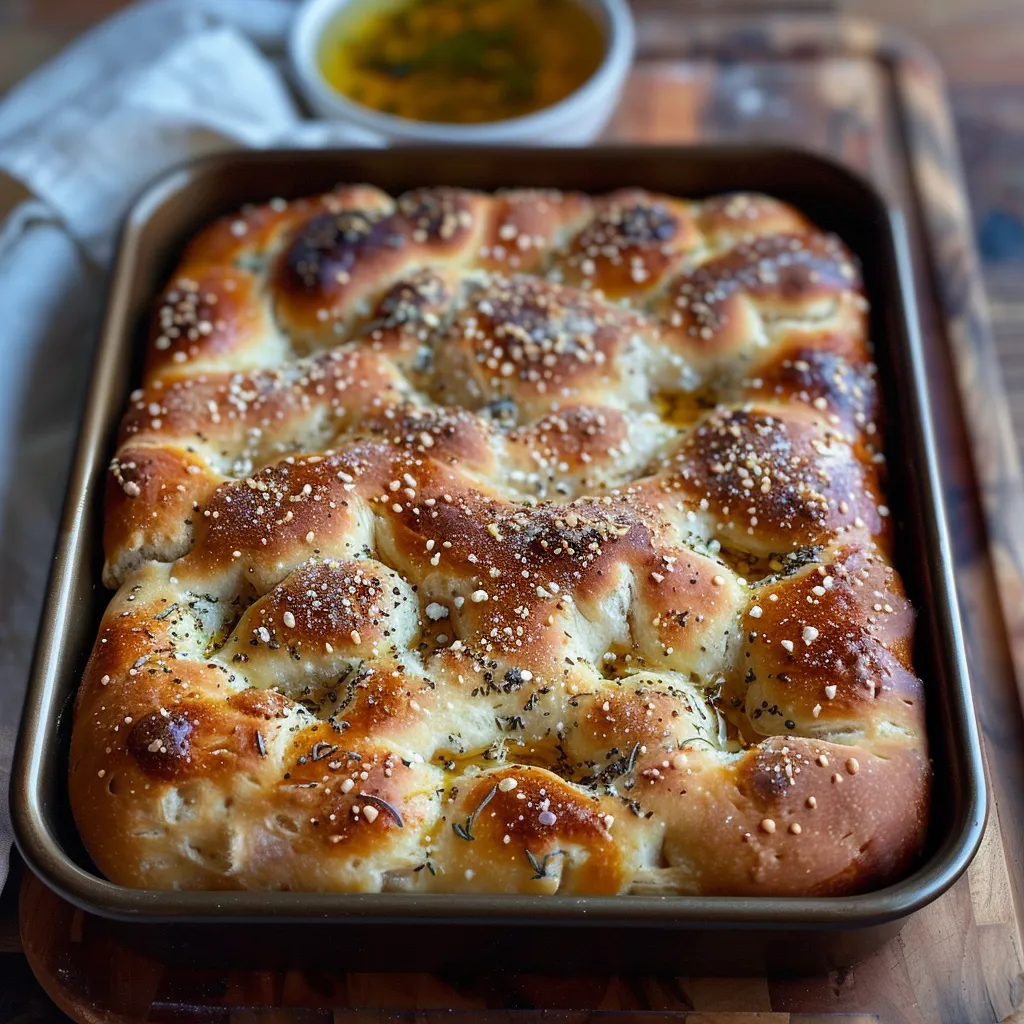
x,y
526,542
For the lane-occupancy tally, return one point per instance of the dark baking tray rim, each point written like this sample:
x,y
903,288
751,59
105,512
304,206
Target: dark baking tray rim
x,y
47,708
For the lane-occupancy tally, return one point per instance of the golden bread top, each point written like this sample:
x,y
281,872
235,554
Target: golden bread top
x,y
527,542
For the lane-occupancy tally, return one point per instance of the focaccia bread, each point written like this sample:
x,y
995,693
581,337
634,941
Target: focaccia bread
x,y
527,542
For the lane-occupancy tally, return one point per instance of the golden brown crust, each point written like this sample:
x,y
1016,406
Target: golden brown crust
x,y
775,479
632,243
524,542
791,816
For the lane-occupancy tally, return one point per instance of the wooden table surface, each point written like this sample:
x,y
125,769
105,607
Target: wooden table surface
x,y
980,45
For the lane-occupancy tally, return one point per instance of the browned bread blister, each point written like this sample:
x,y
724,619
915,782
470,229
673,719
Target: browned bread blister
x,y
529,542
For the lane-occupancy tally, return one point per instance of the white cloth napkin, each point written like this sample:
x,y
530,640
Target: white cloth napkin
x,y
159,83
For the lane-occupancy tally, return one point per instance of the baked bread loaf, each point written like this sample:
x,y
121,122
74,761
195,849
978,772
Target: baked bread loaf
x,y
527,542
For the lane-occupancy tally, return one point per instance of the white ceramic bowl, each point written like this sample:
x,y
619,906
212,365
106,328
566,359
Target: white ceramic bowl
x,y
577,119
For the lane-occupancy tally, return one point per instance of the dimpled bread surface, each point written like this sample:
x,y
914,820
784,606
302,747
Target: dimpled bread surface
x,y
530,542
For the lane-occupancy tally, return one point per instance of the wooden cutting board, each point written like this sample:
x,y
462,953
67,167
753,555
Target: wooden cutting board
x,y
877,104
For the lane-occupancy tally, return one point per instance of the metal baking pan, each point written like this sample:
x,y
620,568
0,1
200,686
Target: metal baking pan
x,y
692,934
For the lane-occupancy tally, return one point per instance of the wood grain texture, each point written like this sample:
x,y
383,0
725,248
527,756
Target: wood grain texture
x,y
857,96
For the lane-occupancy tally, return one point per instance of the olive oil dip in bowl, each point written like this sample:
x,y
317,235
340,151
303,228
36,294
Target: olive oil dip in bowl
x,y
464,71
